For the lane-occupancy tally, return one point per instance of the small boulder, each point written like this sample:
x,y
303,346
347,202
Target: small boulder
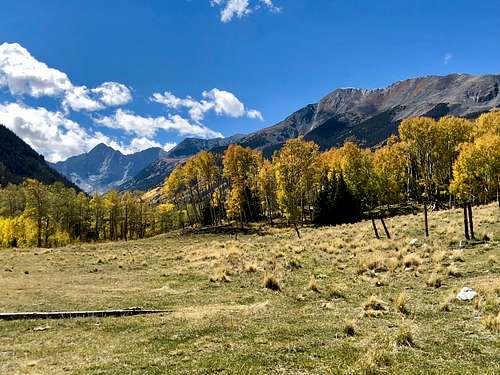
x,y
415,242
466,294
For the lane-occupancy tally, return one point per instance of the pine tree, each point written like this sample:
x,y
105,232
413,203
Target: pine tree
x,y
346,208
324,213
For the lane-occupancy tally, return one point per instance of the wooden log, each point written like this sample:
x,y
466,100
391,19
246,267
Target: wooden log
x,y
77,314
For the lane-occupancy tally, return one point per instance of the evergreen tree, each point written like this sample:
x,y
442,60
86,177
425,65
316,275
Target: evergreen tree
x,y
346,207
324,213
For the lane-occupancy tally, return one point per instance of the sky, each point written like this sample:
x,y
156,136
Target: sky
x,y
135,74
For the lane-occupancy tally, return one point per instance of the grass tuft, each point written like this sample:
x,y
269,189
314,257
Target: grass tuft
x,y
434,281
404,336
492,322
313,285
374,306
271,282
401,303
349,328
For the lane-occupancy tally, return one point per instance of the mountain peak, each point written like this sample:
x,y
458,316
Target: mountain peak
x,y
102,147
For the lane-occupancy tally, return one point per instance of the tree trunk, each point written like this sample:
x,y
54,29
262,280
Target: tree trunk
x,y
375,229
471,223
385,228
426,221
296,229
39,232
466,223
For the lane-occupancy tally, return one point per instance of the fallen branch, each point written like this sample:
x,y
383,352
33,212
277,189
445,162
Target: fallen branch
x,y
78,314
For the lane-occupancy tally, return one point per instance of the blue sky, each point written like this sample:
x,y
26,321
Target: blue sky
x,y
217,67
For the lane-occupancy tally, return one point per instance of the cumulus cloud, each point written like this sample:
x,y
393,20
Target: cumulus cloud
x,y
113,93
149,126
50,133
241,8
22,74
58,138
447,58
143,143
223,103
196,109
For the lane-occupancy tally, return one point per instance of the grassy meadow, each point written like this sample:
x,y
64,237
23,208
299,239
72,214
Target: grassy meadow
x,y
337,301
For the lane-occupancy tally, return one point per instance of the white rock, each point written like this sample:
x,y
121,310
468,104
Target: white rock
x,y
415,242
466,294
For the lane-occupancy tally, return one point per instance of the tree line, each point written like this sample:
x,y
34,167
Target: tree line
x,y
35,214
442,163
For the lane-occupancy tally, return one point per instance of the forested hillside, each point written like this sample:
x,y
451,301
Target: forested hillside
x,y
19,161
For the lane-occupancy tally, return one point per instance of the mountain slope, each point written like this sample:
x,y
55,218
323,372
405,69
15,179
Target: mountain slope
x,y
19,161
370,116
104,168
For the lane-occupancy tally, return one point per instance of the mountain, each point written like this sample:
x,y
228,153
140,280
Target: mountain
x,y
370,116
104,168
18,161
156,173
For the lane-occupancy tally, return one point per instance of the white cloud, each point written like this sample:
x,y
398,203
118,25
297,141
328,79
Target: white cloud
x,y
447,58
58,138
196,109
22,74
143,143
253,113
25,75
241,8
50,133
223,103
113,93
149,126
78,99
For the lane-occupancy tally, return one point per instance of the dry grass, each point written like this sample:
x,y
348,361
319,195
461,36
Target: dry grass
x,y
412,261
272,282
404,336
235,324
434,281
492,322
401,303
313,285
